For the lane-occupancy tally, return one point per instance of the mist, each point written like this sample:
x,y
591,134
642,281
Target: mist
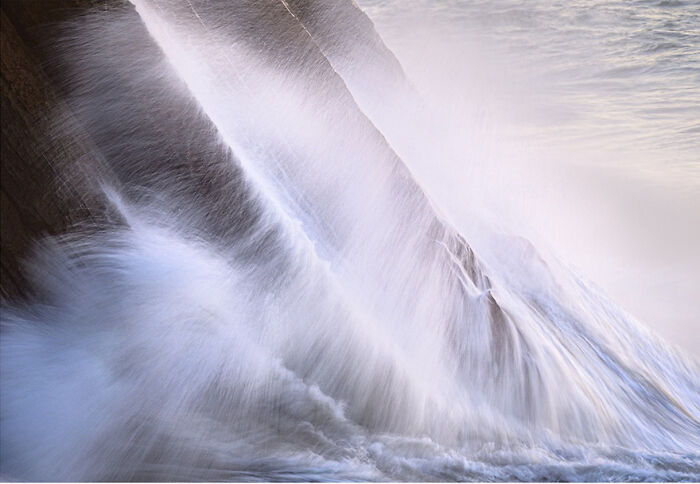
x,y
606,176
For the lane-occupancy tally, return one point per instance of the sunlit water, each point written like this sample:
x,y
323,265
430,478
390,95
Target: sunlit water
x,y
280,293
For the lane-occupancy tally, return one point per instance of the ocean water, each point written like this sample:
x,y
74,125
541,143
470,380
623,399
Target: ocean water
x,y
621,76
589,114
285,290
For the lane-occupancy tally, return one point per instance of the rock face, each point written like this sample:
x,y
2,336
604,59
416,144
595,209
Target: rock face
x,y
55,153
48,166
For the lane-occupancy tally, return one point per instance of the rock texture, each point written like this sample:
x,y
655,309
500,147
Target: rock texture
x,y
48,164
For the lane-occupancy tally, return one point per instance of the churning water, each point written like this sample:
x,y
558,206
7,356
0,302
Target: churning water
x,y
276,297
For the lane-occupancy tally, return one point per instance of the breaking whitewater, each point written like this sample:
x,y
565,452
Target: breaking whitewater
x,y
272,295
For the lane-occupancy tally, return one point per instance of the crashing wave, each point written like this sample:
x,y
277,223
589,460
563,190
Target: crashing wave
x,y
274,297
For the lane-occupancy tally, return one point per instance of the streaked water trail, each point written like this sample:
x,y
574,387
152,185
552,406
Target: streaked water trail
x,y
278,299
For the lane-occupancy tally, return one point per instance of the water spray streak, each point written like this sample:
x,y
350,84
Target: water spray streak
x,y
278,299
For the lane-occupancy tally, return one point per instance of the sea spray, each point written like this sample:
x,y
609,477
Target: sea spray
x,y
277,298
